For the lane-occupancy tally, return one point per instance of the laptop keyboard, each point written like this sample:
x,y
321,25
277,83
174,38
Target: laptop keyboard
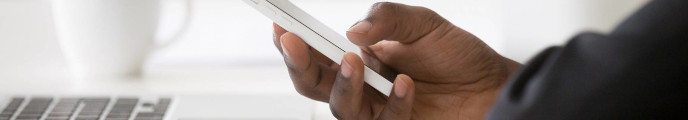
x,y
105,108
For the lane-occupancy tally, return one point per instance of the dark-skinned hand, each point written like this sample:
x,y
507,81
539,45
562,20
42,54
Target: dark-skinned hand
x,y
446,72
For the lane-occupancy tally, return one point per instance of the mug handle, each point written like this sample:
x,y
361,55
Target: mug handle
x,y
188,12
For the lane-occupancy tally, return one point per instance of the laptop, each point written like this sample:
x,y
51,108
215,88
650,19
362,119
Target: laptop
x,y
41,94
151,107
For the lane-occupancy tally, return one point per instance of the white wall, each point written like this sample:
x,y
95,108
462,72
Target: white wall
x,y
533,25
225,30
229,33
27,40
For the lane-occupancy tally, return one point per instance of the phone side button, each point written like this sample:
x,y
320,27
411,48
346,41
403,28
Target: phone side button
x,y
255,1
286,20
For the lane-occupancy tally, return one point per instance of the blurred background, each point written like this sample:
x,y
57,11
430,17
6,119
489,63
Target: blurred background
x,y
229,41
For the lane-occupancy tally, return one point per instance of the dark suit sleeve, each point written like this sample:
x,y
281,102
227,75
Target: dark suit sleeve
x,y
639,71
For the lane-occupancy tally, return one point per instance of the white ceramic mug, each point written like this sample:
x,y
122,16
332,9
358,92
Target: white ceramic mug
x,y
109,38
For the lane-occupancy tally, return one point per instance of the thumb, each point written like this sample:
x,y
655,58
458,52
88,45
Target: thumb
x,y
394,21
400,103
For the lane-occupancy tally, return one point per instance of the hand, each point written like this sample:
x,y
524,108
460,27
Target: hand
x,y
455,75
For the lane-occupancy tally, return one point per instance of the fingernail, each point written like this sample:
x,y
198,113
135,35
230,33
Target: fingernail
x,y
346,69
286,53
400,88
361,27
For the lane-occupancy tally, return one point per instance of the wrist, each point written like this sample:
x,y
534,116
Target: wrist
x,y
510,67
478,104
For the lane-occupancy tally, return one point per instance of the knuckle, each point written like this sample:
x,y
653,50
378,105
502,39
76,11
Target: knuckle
x,y
311,93
430,18
309,85
394,109
425,10
382,9
385,5
305,91
301,86
341,91
342,86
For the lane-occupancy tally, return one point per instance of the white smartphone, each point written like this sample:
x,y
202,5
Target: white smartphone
x,y
317,35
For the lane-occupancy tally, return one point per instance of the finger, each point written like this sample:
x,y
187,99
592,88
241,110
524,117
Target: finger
x,y
393,54
347,92
394,21
371,60
311,78
400,103
278,31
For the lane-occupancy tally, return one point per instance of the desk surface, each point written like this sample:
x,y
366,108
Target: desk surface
x,y
175,80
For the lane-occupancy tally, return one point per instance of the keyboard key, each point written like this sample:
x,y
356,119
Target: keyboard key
x,y
147,104
90,113
149,114
56,118
89,108
157,118
35,109
6,114
116,118
123,108
119,115
11,108
93,108
28,116
87,118
63,109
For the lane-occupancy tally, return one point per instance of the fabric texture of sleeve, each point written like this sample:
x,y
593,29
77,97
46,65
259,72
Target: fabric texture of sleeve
x,y
638,71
